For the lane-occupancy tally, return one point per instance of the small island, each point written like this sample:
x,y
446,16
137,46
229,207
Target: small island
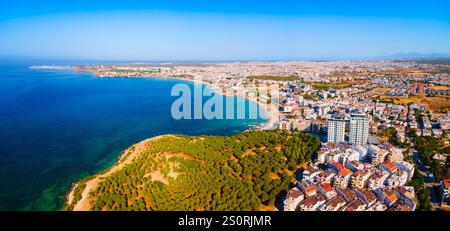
x,y
249,171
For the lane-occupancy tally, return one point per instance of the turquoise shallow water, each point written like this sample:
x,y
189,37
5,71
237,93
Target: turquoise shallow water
x,y
57,126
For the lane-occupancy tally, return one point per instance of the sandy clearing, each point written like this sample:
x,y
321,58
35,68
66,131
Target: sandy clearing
x,y
84,204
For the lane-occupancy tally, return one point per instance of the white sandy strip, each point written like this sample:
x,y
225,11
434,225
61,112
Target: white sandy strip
x,y
71,195
83,204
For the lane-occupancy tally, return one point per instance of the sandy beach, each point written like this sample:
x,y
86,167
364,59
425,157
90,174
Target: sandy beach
x,y
272,113
84,204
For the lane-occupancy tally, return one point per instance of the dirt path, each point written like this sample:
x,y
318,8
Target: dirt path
x,y
83,204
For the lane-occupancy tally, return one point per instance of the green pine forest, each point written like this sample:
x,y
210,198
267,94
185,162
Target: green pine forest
x,y
249,171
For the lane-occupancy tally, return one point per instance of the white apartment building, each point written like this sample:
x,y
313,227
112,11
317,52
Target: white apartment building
x,y
359,128
336,128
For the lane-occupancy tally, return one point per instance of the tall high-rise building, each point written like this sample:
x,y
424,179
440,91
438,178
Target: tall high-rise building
x,y
359,128
336,128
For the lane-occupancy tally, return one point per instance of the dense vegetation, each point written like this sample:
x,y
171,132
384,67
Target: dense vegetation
x,y
423,194
427,146
390,135
242,172
418,116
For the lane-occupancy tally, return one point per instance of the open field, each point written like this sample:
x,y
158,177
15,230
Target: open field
x,y
406,72
434,103
440,88
338,85
381,90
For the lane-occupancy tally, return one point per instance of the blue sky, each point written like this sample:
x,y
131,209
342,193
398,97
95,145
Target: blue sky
x,y
221,30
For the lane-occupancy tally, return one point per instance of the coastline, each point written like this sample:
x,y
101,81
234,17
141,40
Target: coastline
x,y
272,113
89,183
126,157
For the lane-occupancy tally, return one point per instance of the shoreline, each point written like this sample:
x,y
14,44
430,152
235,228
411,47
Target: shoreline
x,y
270,111
126,157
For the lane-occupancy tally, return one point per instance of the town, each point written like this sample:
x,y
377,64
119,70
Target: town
x,y
384,125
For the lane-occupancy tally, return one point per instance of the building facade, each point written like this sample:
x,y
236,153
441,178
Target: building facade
x,y
336,128
359,129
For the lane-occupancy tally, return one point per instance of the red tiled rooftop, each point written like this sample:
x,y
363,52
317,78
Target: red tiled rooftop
x,y
345,172
326,187
447,183
338,165
294,193
392,197
310,189
390,165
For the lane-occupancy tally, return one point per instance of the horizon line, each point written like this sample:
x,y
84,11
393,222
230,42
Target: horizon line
x,y
440,56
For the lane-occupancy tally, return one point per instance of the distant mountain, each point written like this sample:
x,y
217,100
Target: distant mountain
x,y
415,55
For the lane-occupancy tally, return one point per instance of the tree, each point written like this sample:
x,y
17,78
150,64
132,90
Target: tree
x,y
417,181
424,200
423,194
437,171
216,176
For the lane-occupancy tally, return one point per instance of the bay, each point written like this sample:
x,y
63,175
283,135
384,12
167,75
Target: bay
x,y
58,126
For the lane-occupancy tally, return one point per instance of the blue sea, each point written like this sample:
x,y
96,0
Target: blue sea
x,y
58,126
